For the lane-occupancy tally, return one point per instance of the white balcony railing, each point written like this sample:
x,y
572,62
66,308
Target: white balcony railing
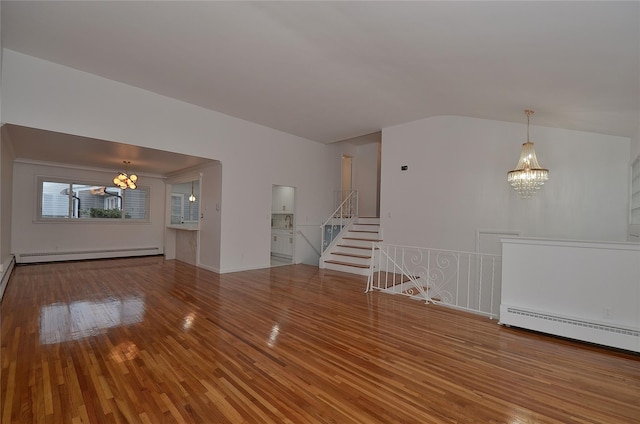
x,y
462,280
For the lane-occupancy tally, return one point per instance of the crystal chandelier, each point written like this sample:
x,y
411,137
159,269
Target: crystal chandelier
x,y
528,176
125,181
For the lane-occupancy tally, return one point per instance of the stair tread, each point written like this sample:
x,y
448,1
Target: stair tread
x,y
363,231
362,239
365,223
346,264
352,255
351,246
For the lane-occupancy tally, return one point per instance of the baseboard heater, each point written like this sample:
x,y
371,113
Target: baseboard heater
x,y
606,334
23,258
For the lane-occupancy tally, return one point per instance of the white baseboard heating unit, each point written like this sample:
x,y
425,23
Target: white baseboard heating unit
x,y
587,291
54,256
573,328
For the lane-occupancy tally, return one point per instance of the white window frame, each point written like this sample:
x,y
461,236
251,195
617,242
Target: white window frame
x,y
179,196
71,218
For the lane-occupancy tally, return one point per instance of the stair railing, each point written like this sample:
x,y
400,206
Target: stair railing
x,y
344,214
468,281
394,277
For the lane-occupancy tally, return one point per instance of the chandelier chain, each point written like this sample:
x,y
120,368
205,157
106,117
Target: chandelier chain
x,y
528,112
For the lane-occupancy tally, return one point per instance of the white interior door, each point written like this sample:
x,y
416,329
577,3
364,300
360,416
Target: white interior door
x,y
347,175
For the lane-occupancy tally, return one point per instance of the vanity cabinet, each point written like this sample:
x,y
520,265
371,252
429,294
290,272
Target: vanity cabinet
x,y
287,247
282,243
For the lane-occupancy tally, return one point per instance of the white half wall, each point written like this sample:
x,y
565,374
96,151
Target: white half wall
x,y
456,183
45,95
583,290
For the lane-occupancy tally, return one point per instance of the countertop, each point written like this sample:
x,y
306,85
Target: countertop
x,y
183,227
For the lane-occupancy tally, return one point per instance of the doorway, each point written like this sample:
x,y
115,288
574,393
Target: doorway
x,y
347,176
283,221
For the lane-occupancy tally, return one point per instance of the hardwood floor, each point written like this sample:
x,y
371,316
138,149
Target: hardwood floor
x,y
145,340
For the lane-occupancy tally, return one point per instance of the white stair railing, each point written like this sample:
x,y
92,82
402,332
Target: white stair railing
x,y
345,213
463,280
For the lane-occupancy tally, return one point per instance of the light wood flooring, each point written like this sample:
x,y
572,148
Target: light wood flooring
x,y
145,340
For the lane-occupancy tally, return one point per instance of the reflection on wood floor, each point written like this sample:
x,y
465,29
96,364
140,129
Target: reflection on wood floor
x,y
143,340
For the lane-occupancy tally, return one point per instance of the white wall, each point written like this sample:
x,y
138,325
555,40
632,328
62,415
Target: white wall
x,y
210,224
456,183
45,95
365,153
6,194
366,176
6,181
634,230
6,170
29,236
209,218
635,144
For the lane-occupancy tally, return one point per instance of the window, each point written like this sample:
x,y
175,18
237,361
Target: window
x,y
183,210
177,208
635,193
66,200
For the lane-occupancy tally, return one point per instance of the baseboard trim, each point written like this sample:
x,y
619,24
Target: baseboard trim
x,y
54,256
210,268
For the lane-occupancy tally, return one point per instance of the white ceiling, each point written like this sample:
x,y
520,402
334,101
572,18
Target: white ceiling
x,y
47,146
329,71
